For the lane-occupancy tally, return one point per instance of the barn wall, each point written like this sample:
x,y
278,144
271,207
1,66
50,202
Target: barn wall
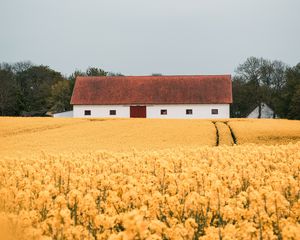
x,y
67,114
179,111
153,111
266,112
101,111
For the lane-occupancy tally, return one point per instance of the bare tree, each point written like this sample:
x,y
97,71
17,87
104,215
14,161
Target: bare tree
x,y
266,77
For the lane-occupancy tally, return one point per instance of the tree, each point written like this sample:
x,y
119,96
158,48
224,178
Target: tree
x,y
21,66
291,92
156,74
294,108
243,99
92,71
8,93
275,89
30,90
256,72
112,74
35,88
278,79
263,82
73,76
59,99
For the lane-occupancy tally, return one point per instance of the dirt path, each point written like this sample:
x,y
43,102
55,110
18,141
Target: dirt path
x,y
224,134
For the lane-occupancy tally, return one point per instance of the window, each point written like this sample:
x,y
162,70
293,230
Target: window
x,y
163,112
215,111
87,112
189,111
112,112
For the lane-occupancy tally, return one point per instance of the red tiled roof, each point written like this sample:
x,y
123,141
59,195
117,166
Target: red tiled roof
x,y
152,90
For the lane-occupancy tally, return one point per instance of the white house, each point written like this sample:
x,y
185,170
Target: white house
x,y
197,96
67,114
266,112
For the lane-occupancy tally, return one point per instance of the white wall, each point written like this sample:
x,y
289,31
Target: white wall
x,y
122,111
266,112
153,111
179,111
67,114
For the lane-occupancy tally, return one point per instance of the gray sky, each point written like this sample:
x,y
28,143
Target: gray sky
x,y
140,37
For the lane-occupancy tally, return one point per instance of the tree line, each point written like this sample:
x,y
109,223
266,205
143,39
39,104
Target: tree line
x,y
31,90
260,80
36,90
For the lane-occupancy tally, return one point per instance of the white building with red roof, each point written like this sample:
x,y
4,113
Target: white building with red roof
x,y
196,96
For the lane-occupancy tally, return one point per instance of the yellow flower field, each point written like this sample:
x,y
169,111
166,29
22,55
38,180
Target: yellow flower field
x,y
265,131
19,136
80,135
149,179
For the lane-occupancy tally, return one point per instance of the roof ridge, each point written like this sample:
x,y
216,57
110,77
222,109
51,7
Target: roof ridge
x,y
177,75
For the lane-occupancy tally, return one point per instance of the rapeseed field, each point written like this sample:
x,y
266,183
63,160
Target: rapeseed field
x,y
149,179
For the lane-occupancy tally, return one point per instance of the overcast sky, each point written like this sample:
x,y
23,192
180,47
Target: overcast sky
x,y
140,37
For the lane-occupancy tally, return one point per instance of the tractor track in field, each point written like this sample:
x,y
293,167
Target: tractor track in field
x,y
232,133
220,138
217,134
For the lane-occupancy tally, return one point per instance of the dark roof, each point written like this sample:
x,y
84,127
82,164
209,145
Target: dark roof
x,y
152,90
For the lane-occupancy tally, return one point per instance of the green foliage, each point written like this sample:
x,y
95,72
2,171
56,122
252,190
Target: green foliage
x,y
92,71
156,74
8,93
73,76
259,80
30,90
291,93
35,87
59,99
112,74
294,108
243,98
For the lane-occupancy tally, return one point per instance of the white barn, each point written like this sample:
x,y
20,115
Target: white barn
x,y
196,96
266,112
67,114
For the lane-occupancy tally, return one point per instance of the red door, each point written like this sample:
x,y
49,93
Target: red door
x,y
137,111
